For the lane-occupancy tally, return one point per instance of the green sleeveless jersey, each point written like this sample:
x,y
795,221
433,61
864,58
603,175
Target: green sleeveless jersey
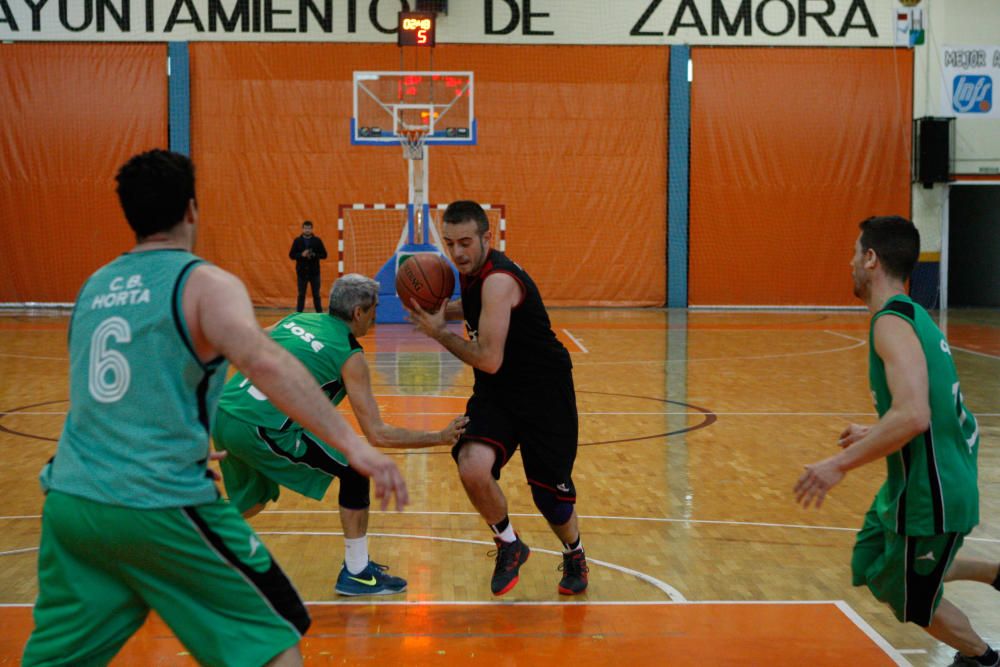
x,y
932,482
140,400
321,342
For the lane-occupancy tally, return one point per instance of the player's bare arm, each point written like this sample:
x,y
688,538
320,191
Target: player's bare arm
x,y
501,293
906,372
357,380
221,320
852,433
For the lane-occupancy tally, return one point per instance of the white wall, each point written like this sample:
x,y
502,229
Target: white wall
x,y
977,149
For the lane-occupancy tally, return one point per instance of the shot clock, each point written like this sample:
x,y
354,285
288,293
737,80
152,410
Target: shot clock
x,y
416,29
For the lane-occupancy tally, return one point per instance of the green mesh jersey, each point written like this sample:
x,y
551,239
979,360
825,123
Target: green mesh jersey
x,y
140,400
931,487
321,342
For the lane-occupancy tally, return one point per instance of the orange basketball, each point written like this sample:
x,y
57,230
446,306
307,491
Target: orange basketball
x,y
426,278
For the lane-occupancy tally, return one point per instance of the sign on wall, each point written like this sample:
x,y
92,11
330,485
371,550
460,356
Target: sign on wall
x,y
910,21
628,22
969,76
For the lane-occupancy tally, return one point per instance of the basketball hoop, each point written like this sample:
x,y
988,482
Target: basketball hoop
x,y
413,142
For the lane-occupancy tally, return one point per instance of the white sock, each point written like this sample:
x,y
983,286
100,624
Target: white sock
x,y
356,554
507,534
567,549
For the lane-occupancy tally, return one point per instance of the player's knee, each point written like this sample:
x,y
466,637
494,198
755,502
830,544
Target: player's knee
x,y
556,511
355,490
475,463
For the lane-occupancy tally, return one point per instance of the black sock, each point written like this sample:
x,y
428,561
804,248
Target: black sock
x,y
990,658
500,526
572,546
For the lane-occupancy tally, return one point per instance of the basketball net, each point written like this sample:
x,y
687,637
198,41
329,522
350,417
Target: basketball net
x,y
413,143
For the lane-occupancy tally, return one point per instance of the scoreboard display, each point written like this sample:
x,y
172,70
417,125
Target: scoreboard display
x,y
416,29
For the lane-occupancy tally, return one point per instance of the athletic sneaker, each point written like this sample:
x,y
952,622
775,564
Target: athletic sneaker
x,y
574,569
370,581
966,661
510,557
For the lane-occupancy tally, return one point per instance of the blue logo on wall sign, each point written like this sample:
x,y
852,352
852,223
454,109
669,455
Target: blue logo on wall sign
x,y
972,94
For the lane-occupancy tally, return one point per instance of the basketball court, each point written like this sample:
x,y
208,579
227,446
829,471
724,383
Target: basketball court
x,y
694,427
687,202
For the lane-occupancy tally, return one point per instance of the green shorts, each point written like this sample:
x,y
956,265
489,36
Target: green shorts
x,y
261,460
907,573
101,568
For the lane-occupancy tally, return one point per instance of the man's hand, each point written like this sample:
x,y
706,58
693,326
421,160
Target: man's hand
x,y
385,474
430,324
454,430
216,456
817,479
852,434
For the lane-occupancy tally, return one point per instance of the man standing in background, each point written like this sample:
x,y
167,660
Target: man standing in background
x,y
307,250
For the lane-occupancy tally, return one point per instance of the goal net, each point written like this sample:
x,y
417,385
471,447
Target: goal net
x,y
368,235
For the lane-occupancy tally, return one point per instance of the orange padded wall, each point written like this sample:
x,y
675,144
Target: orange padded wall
x,y
72,114
790,149
572,139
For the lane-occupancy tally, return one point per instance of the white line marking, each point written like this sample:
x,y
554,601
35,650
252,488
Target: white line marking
x,y
872,634
837,333
32,356
978,354
576,341
621,413
539,603
654,519
755,524
774,310
906,651
656,362
559,603
666,588
18,551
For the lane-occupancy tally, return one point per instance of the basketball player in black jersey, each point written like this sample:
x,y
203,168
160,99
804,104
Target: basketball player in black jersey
x,y
523,395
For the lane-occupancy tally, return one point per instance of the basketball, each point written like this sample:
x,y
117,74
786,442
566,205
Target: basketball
x,y
425,278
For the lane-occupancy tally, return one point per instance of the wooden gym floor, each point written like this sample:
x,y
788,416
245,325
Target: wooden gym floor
x,y
694,428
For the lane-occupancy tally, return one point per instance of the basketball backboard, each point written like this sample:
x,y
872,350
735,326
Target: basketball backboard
x,y
387,105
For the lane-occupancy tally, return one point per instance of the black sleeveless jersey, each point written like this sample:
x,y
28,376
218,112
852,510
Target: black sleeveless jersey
x,y
532,348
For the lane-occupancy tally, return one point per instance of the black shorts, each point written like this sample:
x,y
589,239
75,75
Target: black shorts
x,y
541,418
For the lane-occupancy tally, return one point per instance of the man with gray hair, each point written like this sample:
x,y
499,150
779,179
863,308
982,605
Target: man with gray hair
x,y
267,450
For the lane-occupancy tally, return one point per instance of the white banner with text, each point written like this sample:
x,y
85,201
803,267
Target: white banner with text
x,y
625,22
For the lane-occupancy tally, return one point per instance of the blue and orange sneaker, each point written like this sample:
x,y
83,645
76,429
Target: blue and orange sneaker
x,y
372,580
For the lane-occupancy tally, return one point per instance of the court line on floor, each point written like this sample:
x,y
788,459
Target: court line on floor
x,y
620,362
896,655
843,335
664,587
576,341
32,356
975,352
620,413
879,640
654,519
